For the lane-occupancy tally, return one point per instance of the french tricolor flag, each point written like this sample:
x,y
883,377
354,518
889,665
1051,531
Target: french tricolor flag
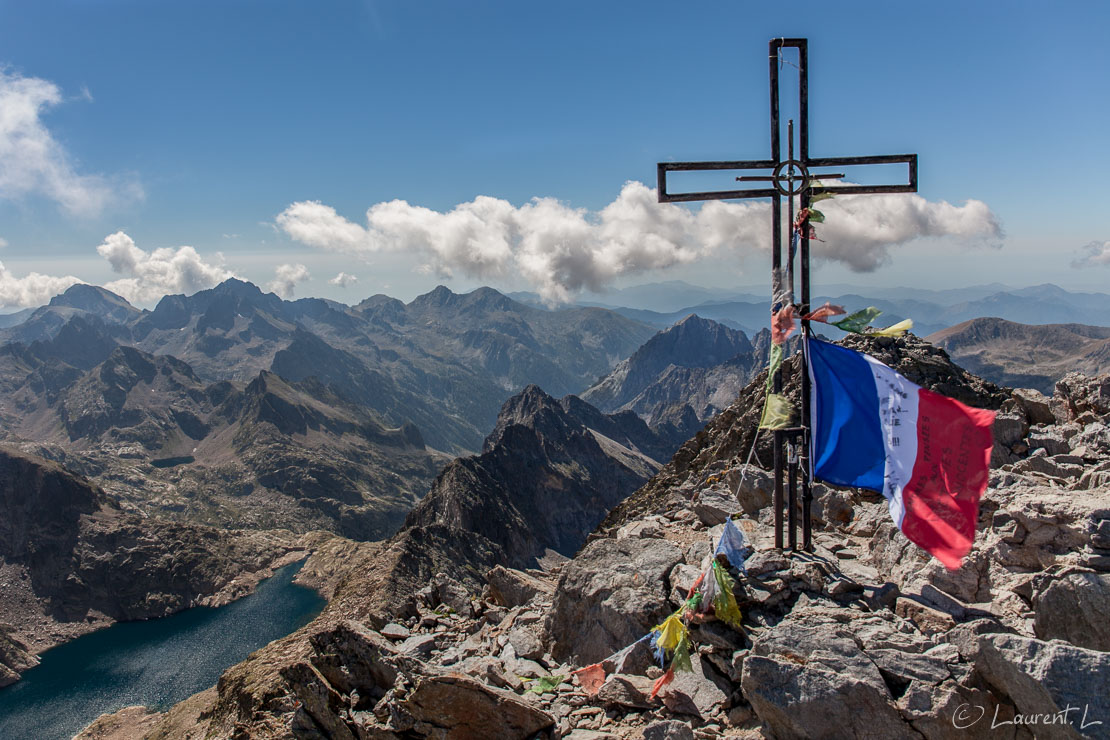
x,y
928,454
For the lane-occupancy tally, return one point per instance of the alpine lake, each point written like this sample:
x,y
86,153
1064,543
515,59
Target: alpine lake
x,y
156,663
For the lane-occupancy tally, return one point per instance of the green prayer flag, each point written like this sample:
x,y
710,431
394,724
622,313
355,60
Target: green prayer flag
x,y
816,197
858,321
815,216
545,684
681,661
776,363
777,412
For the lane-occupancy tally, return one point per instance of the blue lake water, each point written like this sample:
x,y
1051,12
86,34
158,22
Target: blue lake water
x,y
156,663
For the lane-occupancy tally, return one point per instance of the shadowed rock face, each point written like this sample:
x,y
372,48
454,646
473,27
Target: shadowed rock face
x,y
549,473
70,562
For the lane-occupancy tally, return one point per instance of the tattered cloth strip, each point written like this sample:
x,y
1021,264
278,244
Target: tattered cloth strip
x,y
781,294
662,681
733,546
894,330
824,312
777,412
725,607
775,364
544,684
591,678
782,324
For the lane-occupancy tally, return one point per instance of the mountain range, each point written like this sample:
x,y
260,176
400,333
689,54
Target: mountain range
x,y
444,362
236,408
746,307
1026,356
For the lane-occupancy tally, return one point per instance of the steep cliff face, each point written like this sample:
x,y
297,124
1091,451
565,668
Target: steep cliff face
x,y
547,477
70,562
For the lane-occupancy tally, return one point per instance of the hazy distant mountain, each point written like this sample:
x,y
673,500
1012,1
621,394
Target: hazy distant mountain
x,y
931,311
18,317
1022,355
444,362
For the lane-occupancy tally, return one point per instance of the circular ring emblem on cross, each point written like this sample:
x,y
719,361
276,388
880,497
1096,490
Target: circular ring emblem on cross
x,y
790,177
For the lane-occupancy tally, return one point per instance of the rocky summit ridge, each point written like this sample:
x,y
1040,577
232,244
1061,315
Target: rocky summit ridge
x,y
866,636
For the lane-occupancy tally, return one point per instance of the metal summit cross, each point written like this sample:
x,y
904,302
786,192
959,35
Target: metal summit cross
x,y
791,177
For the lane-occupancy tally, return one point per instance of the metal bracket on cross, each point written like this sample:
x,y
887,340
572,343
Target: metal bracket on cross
x,y
790,177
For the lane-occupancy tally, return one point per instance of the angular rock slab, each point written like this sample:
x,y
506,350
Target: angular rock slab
x,y
465,708
809,678
1047,678
609,596
1075,608
509,587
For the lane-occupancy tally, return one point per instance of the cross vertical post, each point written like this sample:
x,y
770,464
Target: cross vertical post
x,y
789,177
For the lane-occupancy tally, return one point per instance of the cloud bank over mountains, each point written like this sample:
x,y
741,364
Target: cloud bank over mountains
x,y
557,249
33,289
33,162
562,250
152,275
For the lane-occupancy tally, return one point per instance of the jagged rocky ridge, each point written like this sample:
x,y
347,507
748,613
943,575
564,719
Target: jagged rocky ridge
x,y
72,562
866,636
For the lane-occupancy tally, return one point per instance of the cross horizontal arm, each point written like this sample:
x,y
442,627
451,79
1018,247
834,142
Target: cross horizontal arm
x,y
750,164
910,160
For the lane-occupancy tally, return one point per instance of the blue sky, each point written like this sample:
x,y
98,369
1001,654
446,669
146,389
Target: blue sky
x,y
201,123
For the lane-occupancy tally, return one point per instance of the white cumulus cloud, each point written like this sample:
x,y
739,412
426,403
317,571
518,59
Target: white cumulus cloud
x,y
152,275
286,278
344,280
1094,253
562,250
32,161
33,289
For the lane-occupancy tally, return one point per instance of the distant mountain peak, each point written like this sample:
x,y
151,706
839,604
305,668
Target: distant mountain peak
x,y
238,288
98,301
441,295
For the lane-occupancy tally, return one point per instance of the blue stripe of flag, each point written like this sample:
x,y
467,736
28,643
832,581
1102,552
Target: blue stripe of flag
x,y
848,447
